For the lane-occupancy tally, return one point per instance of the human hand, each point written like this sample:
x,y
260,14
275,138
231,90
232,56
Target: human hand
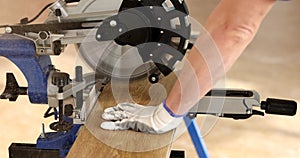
x,y
148,119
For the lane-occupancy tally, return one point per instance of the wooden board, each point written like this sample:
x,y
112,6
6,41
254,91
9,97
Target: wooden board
x,y
93,141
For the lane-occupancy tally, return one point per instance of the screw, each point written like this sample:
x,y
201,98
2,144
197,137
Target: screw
x,y
151,7
8,29
151,55
159,18
120,29
113,23
153,79
98,36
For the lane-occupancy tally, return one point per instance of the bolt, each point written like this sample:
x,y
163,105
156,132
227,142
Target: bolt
x,y
43,134
113,23
159,18
248,111
120,29
151,7
153,79
8,29
59,19
43,35
151,55
161,32
192,116
77,116
98,36
159,44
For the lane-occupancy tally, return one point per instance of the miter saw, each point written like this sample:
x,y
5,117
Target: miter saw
x,y
120,39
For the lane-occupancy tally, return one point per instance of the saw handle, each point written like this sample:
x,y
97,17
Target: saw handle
x,y
279,107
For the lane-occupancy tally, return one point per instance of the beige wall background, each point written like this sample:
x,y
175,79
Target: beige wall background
x,y
269,65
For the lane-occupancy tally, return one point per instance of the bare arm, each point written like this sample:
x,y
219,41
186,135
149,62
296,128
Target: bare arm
x,y
232,25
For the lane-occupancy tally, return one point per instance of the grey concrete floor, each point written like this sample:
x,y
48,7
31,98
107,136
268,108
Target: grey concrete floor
x,y
269,65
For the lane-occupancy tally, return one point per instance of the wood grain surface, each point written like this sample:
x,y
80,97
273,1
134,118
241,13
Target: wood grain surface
x,y
93,141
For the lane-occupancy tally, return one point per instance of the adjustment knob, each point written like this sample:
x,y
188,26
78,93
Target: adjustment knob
x,y
12,89
279,107
60,79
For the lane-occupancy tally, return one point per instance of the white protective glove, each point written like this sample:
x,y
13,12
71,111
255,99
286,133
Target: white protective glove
x,y
149,119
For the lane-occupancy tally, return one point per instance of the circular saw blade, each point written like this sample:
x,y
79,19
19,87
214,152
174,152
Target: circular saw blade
x,y
125,62
130,43
114,60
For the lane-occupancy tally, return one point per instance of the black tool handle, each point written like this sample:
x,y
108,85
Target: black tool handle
x,y
279,107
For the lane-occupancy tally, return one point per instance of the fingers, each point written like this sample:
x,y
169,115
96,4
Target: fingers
x,y
125,124
112,109
121,111
148,119
130,107
112,126
115,115
128,124
124,107
129,117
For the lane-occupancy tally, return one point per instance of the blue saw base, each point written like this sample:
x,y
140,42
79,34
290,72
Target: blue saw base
x,y
61,141
21,52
